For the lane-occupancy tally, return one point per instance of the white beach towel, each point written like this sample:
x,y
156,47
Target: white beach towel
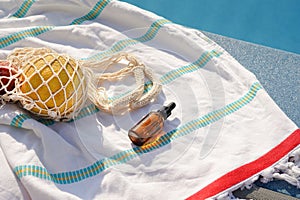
x,y
224,133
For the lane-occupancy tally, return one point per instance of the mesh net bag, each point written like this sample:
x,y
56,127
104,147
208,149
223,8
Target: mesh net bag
x,y
49,84
56,86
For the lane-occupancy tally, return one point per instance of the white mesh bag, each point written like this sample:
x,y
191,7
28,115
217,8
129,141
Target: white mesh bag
x,y
49,84
56,86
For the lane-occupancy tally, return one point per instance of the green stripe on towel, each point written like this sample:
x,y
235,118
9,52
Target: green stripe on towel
x,y
21,12
122,44
19,119
15,37
176,73
124,156
93,14
33,32
199,63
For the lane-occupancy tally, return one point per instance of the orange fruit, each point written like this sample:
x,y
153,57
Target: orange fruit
x,y
54,82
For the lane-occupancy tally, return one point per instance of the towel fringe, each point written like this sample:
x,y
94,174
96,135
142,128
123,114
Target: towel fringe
x,y
288,169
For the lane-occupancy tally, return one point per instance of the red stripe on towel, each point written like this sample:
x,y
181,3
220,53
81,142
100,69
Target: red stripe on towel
x,y
246,171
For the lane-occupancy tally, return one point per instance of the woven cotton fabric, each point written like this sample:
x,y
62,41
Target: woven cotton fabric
x,y
223,134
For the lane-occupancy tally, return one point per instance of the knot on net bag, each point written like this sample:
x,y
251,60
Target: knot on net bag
x,y
56,86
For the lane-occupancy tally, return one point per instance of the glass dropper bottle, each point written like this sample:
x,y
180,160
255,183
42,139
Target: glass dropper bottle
x,y
150,127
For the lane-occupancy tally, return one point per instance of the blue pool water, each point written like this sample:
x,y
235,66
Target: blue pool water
x,y
273,23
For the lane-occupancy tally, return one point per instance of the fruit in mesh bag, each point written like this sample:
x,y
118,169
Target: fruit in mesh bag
x,y
7,81
52,85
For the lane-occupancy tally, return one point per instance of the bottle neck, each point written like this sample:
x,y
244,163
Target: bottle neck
x,y
163,114
166,110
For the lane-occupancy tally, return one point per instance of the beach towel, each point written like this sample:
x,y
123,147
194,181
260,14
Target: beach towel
x,y
224,134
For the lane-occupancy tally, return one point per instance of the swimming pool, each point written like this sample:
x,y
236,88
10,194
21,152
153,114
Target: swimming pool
x,y
273,23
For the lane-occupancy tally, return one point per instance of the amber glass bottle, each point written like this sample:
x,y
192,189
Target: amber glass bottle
x,y
150,127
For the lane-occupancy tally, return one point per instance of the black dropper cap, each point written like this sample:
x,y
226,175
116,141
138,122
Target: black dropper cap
x,y
166,110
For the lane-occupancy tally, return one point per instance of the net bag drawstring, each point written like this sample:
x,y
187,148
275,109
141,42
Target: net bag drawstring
x,y
132,100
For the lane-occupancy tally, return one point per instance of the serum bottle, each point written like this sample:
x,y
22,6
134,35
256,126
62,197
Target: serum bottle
x,y
150,127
